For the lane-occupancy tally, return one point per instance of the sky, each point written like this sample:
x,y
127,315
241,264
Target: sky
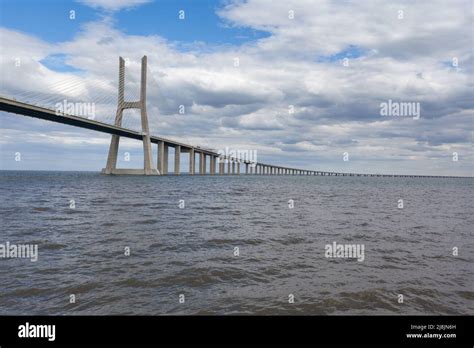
x,y
302,83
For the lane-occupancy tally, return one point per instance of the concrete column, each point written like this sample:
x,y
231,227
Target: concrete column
x,y
177,155
202,169
238,167
213,164
228,166
221,167
160,159
204,164
246,168
233,167
191,162
165,159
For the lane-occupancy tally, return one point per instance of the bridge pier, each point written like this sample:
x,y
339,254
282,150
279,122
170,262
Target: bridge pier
x,y
213,164
177,154
163,158
191,162
202,168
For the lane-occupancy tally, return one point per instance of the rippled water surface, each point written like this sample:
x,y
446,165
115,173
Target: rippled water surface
x,y
190,251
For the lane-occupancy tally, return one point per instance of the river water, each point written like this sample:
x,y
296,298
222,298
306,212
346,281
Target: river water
x,y
235,245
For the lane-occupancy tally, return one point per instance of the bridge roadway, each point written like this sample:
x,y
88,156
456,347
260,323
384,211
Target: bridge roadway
x,y
233,164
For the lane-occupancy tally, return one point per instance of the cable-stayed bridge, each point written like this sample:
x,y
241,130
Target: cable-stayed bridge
x,y
36,105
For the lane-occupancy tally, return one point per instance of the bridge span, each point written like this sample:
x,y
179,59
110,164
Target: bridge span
x,y
219,164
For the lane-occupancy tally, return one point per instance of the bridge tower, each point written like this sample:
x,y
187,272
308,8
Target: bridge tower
x,y
148,167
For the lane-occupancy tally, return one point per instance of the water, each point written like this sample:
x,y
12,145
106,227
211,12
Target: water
x,y
190,251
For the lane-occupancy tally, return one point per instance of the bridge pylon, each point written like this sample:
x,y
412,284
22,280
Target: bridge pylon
x,y
148,166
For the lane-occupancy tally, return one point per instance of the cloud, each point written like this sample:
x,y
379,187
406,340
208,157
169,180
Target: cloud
x,y
113,5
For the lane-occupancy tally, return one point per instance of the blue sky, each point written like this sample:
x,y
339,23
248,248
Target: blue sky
x,y
282,62
49,20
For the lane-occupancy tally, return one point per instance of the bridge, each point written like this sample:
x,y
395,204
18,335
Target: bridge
x,y
220,164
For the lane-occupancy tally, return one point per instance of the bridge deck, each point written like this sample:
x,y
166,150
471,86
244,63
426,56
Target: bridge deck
x,y
21,108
